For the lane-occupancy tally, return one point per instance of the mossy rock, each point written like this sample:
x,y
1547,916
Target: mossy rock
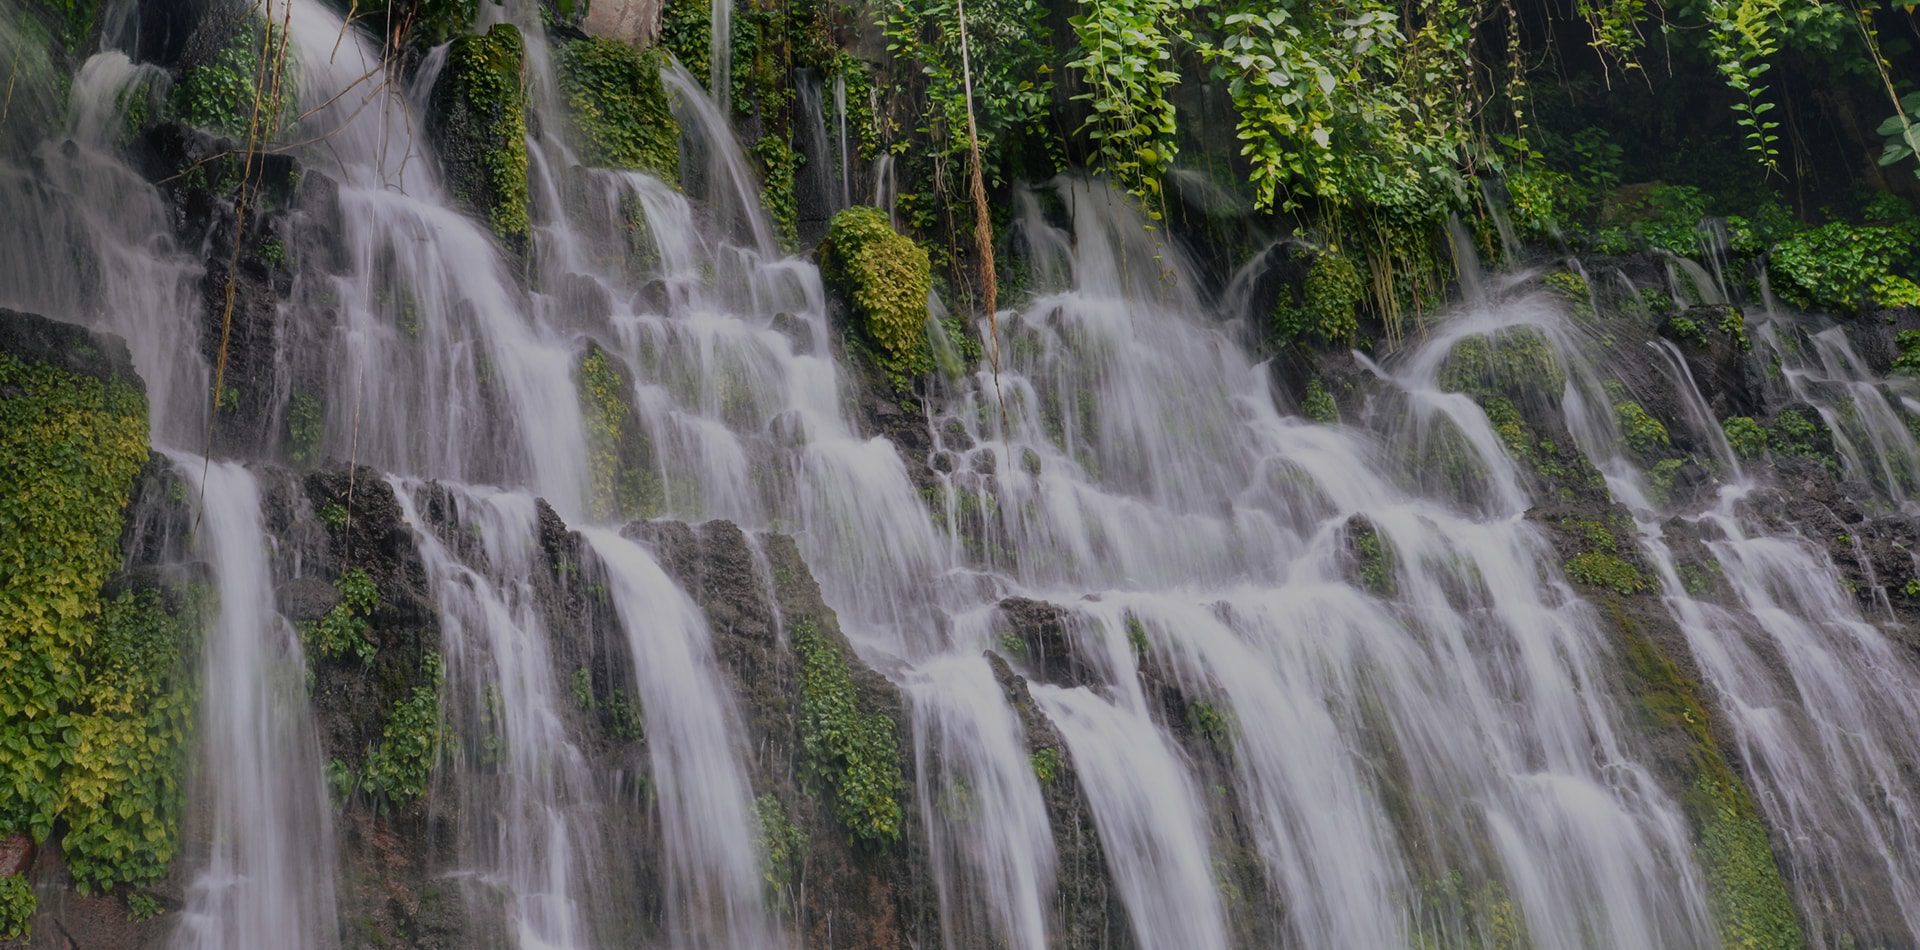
x,y
884,278
478,119
1749,894
619,106
1518,363
1324,310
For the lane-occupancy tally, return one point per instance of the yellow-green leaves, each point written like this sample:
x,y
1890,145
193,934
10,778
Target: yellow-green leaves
x,y
885,278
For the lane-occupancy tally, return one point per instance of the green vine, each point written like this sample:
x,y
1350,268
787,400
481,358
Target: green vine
x,y
1125,60
125,790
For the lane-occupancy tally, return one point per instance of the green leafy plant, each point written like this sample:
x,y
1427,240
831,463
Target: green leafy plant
x,y
619,106
781,844
1124,59
397,769
1841,267
1902,132
1012,89
343,629
71,445
1325,311
1046,764
222,95
17,904
1747,439
1318,403
1643,433
885,278
143,907
853,753
1741,35
1907,360
125,790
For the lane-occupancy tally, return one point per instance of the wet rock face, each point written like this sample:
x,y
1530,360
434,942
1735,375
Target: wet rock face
x,y
32,338
756,592
1045,645
635,22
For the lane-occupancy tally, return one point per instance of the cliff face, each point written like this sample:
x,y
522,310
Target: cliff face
x,y
1014,628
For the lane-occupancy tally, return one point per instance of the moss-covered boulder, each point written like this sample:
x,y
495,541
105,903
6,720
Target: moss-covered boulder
x,y
619,106
1518,363
884,278
1749,894
1324,309
478,120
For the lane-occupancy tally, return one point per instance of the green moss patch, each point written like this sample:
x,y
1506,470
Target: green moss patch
x,y
885,278
1325,310
1518,363
479,122
619,106
1749,894
853,753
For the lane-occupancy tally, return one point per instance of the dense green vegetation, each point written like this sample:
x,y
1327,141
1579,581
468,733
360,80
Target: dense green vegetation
x,y
70,446
885,277
479,119
620,106
851,753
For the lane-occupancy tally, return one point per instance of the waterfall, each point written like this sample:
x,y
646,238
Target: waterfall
x,y
533,822
1214,542
1149,818
693,743
267,879
1316,683
431,325
90,241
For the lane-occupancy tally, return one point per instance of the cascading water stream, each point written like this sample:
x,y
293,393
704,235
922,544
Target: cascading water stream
x,y
531,820
267,879
713,869
1213,541
431,327
1819,700
89,240
1384,731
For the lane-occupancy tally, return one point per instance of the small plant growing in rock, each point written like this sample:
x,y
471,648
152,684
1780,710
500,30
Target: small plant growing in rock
x,y
1046,764
143,907
17,904
1745,436
1318,403
1643,433
342,630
